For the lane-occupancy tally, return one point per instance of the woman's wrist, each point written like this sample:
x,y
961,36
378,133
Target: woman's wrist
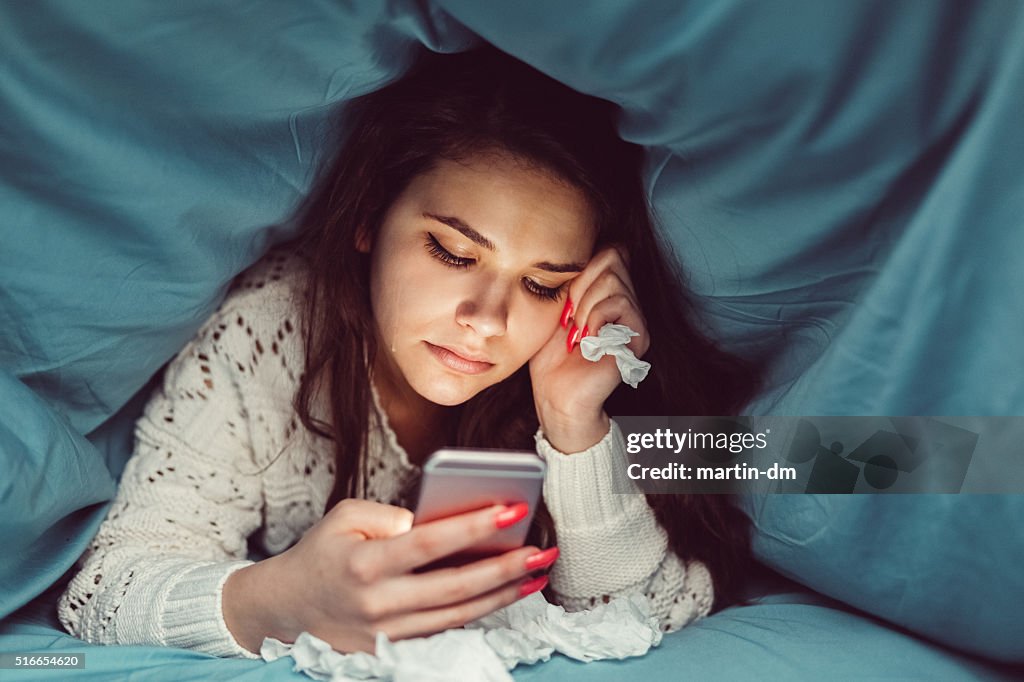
x,y
252,608
570,435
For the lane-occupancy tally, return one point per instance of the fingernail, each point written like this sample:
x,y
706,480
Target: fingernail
x,y
514,514
584,332
541,559
531,586
566,313
574,337
570,339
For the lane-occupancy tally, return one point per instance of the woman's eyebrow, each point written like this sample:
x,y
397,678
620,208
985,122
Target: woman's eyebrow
x,y
476,237
469,232
559,267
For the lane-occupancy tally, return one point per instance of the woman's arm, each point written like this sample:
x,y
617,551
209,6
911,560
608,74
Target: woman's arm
x,y
183,511
168,565
610,542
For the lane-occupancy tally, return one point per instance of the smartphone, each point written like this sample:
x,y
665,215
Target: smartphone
x,y
457,480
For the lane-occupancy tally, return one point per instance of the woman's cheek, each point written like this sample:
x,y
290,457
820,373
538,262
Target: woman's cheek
x,y
538,327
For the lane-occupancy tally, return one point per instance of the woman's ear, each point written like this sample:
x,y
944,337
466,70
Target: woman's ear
x,y
364,242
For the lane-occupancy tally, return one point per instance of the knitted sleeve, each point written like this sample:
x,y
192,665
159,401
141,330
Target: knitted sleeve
x,y
188,499
611,543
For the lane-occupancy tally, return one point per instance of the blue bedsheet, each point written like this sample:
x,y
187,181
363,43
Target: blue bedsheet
x,y
791,635
842,182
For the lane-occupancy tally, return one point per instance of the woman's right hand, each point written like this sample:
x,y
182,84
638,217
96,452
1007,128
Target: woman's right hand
x,y
351,576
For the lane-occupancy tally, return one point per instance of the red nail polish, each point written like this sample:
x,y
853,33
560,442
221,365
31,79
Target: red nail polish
x,y
574,337
541,559
584,332
566,313
571,339
514,514
531,586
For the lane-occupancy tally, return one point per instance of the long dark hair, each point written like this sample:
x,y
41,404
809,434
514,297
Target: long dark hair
x,y
450,107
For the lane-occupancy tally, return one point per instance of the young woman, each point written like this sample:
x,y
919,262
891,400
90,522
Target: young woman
x,y
479,219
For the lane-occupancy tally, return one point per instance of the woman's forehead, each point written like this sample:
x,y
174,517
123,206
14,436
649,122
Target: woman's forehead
x,y
501,198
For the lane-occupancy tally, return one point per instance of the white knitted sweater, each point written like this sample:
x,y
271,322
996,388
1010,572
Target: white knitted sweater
x,y
206,475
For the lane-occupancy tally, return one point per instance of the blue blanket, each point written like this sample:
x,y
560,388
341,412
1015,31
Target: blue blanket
x,y
842,182
791,635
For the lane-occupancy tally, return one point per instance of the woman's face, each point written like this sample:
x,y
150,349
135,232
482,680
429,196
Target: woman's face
x,y
469,273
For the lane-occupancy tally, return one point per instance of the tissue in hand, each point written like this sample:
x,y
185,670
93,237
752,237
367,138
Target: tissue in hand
x,y
612,340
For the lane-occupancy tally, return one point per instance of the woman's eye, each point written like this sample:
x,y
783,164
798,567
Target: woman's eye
x,y
451,260
542,292
446,256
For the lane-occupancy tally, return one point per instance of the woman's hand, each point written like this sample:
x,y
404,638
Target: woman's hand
x,y
569,392
351,576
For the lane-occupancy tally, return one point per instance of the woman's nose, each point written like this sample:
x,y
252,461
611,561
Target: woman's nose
x,y
486,311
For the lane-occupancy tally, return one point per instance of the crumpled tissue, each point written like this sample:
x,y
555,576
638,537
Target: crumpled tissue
x,y
612,340
527,631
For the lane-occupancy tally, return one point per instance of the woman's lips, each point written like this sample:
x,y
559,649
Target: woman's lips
x,y
453,360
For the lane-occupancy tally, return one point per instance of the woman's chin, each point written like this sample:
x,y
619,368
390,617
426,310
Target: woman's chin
x,y
449,391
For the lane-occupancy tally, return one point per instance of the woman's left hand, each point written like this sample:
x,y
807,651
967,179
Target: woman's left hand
x,y
569,391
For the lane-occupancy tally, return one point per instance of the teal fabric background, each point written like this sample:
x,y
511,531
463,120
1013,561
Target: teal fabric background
x,y
842,182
